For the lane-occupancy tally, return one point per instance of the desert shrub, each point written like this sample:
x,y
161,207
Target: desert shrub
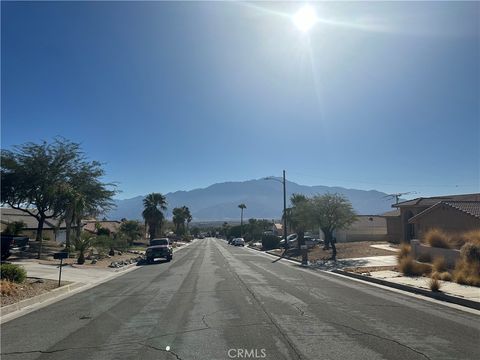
x,y
467,273
13,273
405,250
409,267
8,288
436,238
472,236
445,276
442,275
425,257
439,264
103,243
434,284
470,252
270,242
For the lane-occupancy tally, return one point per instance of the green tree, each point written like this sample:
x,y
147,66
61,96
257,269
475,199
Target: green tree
x,y
242,207
132,229
14,228
180,216
43,181
153,206
83,194
332,212
300,216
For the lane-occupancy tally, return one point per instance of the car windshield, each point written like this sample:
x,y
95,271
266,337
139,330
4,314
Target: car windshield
x,y
243,179
156,242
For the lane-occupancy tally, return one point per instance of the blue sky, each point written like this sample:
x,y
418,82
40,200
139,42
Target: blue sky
x,y
175,96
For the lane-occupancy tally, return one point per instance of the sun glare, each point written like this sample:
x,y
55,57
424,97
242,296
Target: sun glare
x,y
305,18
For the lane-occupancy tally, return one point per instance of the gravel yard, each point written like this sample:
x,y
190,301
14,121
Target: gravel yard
x,y
344,251
12,292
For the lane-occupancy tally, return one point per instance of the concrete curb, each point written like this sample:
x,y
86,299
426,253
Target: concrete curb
x,y
8,309
434,295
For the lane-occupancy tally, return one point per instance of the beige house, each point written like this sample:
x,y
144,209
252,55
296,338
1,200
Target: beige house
x,y
449,216
52,229
406,225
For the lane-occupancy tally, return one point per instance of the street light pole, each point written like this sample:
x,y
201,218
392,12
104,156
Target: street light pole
x,y
284,183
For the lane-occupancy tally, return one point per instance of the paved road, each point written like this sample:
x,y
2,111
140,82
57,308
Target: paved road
x,y
214,301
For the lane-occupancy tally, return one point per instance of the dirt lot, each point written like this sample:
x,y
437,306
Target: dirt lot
x,y
344,251
12,292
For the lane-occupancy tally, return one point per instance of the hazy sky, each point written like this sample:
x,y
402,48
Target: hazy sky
x,y
175,96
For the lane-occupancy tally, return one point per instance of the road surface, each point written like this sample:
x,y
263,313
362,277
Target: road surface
x,y
216,301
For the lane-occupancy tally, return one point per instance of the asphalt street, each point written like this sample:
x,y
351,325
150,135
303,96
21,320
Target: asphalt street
x,y
216,301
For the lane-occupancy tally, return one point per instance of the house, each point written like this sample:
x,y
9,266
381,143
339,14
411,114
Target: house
x,y
407,226
93,225
449,216
277,229
53,229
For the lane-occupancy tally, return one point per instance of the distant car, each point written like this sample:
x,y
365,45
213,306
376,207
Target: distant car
x,y
159,248
291,239
238,242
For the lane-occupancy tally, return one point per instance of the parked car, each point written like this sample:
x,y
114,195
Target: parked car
x,y
238,242
291,239
159,248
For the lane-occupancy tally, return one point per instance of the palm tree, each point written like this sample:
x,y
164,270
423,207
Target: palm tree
x,y
153,206
188,216
241,206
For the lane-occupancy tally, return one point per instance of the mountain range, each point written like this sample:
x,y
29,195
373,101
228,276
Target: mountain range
x,y
263,198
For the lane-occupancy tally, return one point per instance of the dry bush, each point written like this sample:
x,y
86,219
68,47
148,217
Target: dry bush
x,y
469,237
405,250
409,267
434,284
8,288
439,264
470,252
467,273
425,258
437,238
445,275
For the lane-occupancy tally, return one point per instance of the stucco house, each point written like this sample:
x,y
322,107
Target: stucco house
x,y
53,229
450,213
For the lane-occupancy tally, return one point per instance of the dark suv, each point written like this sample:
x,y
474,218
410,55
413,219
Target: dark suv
x,y
159,248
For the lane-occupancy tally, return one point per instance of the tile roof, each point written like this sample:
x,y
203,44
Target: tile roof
x,y
469,207
113,226
430,201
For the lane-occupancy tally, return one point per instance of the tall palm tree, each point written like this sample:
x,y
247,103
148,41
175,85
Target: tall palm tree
x,y
241,206
153,206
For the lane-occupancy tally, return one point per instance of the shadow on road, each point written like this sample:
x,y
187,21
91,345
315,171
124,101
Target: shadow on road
x,y
146,263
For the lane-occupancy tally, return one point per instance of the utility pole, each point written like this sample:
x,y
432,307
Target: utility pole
x,y
285,210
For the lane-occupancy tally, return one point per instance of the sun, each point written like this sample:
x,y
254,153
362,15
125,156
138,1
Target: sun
x,y
305,18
